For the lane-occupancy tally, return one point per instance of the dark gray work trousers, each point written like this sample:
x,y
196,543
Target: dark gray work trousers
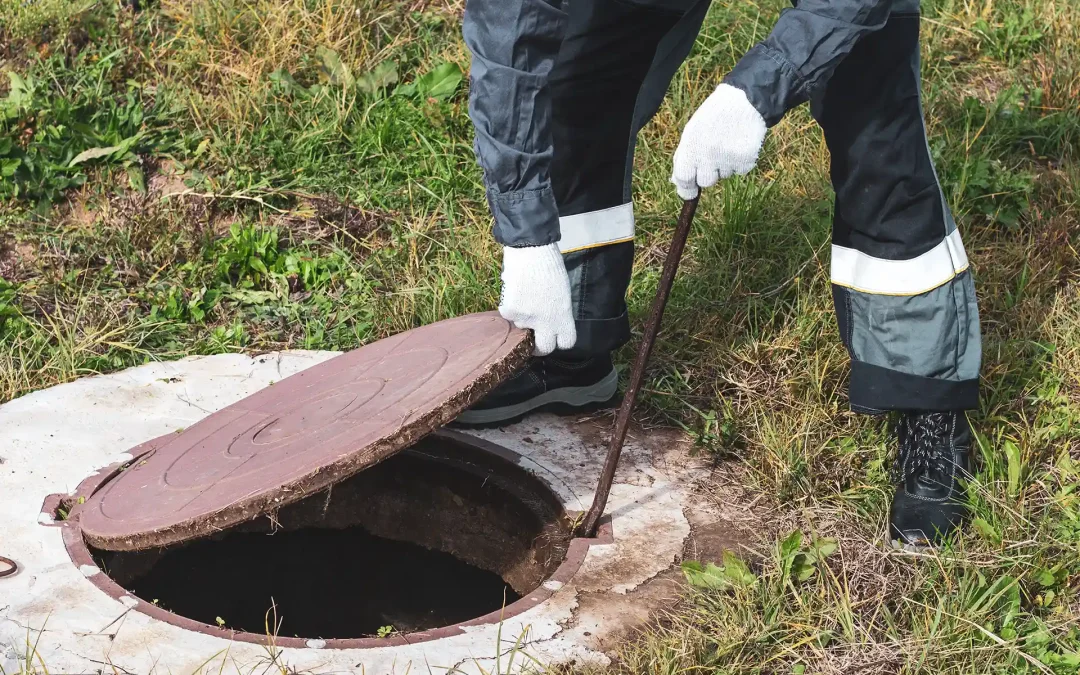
x,y
903,293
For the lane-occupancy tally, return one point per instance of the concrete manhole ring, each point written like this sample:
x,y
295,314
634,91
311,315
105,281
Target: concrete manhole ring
x,y
571,616
542,588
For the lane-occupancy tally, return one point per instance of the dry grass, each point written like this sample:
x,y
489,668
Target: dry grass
x,y
226,51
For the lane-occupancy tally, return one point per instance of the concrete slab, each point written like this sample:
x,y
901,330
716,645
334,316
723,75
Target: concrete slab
x,y
51,440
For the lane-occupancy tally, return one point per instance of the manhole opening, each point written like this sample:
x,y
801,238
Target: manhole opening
x,y
438,534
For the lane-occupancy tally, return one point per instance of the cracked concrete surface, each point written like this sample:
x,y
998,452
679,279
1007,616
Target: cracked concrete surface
x,y
53,439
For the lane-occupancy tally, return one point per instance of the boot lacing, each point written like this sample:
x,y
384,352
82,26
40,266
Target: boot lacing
x,y
924,446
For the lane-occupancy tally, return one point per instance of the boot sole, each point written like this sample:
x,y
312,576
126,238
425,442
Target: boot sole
x,y
899,545
564,401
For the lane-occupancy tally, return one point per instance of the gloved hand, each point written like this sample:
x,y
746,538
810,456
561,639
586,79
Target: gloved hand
x,y
536,295
722,138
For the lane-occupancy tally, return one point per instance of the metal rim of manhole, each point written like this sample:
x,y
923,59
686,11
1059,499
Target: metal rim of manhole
x,y
8,567
80,555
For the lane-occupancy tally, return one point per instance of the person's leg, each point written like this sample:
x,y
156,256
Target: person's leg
x,y
904,296
612,75
610,78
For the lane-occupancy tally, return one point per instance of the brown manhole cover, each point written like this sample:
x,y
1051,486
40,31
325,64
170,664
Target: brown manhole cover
x,y
302,434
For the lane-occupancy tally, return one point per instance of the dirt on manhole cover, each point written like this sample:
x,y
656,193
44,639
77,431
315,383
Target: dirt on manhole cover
x,y
302,434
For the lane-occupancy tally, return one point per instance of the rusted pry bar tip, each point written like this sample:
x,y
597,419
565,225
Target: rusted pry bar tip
x,y
588,526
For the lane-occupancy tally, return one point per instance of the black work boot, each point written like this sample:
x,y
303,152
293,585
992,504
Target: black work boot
x,y
548,384
934,456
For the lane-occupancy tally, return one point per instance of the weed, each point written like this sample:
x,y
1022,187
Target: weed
x,y
53,128
1009,36
39,20
9,312
247,255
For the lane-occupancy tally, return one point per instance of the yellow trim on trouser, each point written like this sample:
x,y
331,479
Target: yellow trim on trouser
x,y
904,295
599,244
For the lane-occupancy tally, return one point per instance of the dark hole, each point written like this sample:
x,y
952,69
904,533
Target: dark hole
x,y
324,583
439,534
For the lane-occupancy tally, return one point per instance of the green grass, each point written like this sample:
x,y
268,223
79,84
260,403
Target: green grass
x,y
298,174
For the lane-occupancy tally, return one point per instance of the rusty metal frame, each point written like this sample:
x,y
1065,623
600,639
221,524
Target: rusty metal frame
x,y
80,555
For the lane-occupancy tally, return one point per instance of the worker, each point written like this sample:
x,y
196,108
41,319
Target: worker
x,y
560,90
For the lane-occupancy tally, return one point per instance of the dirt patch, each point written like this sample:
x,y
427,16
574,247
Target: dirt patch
x,y
607,620
167,180
722,518
81,213
17,260
666,445
152,216
709,541
987,85
330,219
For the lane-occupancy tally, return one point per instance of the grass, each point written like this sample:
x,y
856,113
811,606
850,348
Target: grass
x,y
280,174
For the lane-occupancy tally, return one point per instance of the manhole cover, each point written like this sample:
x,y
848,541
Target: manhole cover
x,y
302,434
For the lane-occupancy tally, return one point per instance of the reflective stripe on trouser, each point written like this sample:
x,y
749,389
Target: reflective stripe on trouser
x,y
610,78
904,295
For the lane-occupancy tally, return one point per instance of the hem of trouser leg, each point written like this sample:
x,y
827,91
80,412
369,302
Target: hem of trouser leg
x,y
600,336
875,390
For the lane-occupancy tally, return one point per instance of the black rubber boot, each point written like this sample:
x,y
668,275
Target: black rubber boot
x,y
548,384
934,456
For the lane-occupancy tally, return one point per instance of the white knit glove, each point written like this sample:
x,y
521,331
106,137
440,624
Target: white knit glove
x,y
536,295
722,138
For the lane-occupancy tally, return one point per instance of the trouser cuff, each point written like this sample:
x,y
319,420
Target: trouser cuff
x,y
874,389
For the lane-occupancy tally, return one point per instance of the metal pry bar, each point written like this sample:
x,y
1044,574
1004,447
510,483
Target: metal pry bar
x,y
588,526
